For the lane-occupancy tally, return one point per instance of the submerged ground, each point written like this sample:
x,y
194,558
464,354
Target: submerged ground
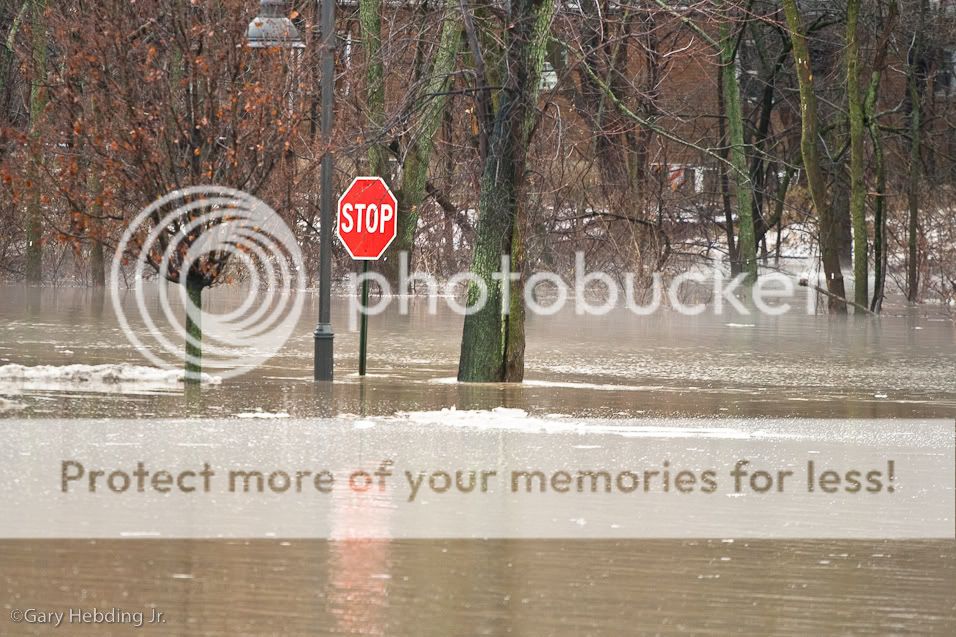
x,y
903,365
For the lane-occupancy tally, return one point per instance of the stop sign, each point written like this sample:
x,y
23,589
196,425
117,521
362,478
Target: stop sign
x,y
367,218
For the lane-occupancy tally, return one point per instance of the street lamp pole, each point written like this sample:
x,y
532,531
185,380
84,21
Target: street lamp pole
x,y
272,28
323,335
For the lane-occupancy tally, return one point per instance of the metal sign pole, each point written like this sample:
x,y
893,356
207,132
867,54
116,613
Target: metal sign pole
x,y
323,336
363,330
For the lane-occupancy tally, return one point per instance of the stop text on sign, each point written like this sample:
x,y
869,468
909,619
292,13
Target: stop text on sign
x,y
367,218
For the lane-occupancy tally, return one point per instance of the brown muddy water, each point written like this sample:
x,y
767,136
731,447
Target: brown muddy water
x,y
903,365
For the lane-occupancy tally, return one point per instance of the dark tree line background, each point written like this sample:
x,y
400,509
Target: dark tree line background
x,y
811,136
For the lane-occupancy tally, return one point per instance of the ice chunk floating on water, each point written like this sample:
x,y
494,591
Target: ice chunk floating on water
x,y
9,405
265,415
508,419
70,376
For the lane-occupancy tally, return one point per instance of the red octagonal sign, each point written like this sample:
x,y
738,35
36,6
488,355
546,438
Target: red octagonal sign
x,y
367,218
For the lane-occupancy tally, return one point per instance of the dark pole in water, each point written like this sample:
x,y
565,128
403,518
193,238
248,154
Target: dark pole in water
x,y
363,332
272,29
323,331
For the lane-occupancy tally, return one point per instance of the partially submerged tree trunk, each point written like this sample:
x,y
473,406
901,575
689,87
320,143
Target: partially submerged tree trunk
x,y
879,224
743,187
194,288
95,234
861,293
34,260
419,152
97,264
915,76
733,157
514,337
839,189
490,338
879,208
724,180
829,240
912,225
761,162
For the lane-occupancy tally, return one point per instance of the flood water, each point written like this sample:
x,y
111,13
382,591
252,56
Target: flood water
x,y
620,365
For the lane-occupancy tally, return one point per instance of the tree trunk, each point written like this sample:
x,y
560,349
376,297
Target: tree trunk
x,y
97,256
95,235
6,54
515,334
489,338
879,209
829,241
616,148
914,75
743,187
370,20
879,224
839,189
97,261
194,331
912,226
724,179
34,263
861,293
415,167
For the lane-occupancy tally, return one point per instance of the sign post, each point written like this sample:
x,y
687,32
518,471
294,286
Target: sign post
x,y
363,330
367,225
